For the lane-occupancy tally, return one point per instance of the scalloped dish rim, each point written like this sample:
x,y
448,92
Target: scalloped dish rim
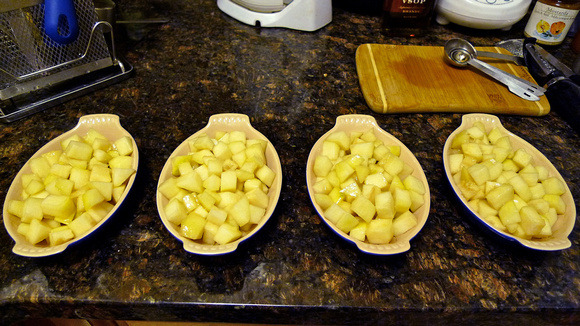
x,y
22,247
550,244
222,122
360,122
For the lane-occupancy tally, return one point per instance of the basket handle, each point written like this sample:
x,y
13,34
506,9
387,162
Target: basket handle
x,y
60,21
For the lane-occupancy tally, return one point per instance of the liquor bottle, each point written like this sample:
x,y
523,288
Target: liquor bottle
x,y
550,20
407,17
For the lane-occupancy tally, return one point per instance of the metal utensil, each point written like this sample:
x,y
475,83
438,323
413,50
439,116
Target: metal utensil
x,y
563,86
461,54
507,57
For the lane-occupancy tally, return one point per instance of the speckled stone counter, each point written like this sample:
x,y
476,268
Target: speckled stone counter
x,y
292,85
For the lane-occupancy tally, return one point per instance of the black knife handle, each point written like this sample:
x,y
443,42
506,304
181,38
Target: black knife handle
x,y
575,79
564,98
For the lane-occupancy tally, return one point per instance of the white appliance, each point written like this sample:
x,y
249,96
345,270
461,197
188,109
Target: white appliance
x,y
305,15
482,14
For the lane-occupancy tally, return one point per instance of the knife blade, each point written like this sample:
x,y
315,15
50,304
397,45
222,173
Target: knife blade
x,y
554,62
562,91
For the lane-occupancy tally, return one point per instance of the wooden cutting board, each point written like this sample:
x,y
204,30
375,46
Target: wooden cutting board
x,y
418,79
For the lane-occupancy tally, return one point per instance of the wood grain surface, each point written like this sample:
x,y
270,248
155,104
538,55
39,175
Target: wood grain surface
x,y
419,79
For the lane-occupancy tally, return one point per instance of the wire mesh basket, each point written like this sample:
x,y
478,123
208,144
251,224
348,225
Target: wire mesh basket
x,y
33,64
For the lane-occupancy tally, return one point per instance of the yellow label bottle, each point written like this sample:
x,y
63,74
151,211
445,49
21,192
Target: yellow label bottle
x,y
551,19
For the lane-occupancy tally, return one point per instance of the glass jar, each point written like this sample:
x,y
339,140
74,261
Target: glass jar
x,y
550,20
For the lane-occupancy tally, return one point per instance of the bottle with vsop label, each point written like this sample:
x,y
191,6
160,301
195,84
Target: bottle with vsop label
x,y
407,17
550,20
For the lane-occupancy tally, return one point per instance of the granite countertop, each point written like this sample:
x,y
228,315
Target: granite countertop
x,y
292,85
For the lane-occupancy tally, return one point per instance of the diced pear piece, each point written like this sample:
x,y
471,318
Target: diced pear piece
x,y
475,132
334,213
556,202
377,179
543,173
105,188
58,205
60,235
121,161
212,183
347,222
455,161
485,210
34,187
37,231
209,231
169,188
341,138
206,200
100,211
404,223
191,182
240,211
80,177
403,201
521,187
461,138
32,209
237,147
39,166
359,231
417,200
192,226
52,157
23,229
500,195
522,158
256,214
509,213
227,233
531,221
381,151
553,186
413,183
124,145
258,198
266,175
551,217
380,231
82,224
15,207
364,208
91,198
175,211
101,156
473,150
228,181
61,170
79,150
480,173
121,175
365,149
541,205
255,153
393,164
92,135
385,205
495,222
101,144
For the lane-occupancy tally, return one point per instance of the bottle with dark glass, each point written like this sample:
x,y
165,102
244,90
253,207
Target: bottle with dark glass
x,y
407,17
